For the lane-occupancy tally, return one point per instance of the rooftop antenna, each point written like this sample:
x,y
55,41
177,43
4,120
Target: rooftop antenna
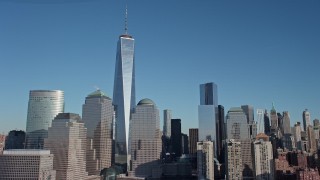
x,y
126,21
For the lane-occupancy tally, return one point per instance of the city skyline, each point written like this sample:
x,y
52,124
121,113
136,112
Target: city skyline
x,y
265,54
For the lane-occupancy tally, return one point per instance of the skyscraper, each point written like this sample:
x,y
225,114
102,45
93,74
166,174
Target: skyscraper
x,y
124,97
97,115
184,144
221,133
286,123
193,139
248,110
267,130
297,135
274,120
306,119
239,130
67,142
207,111
167,115
237,126
175,140
145,139
43,106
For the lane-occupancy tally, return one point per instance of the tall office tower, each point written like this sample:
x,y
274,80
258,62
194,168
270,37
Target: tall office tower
x,y
97,115
280,122
43,106
248,110
306,119
124,96
286,123
27,164
167,115
263,158
184,144
297,135
260,121
2,142
193,139
15,140
67,142
145,139
220,133
239,130
274,120
316,123
234,161
237,126
175,140
267,127
311,140
205,160
207,111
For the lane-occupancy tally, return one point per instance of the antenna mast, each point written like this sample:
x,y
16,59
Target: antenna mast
x,y
126,21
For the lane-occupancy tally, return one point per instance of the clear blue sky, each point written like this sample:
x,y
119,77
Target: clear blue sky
x,y
257,52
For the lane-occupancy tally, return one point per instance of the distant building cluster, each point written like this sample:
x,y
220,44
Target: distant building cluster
x,y
117,138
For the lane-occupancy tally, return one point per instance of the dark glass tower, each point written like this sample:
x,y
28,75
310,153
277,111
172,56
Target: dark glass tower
x,y
124,98
176,137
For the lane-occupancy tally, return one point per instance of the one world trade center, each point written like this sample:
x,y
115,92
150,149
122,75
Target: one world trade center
x,y
123,94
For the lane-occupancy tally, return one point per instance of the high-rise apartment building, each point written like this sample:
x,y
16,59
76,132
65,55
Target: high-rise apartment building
x,y
207,111
167,115
193,139
124,96
306,119
97,115
43,106
27,164
263,158
145,139
205,160
234,166
67,142
175,140
15,140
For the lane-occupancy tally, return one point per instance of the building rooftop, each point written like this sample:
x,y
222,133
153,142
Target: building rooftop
x,y
97,93
146,102
26,152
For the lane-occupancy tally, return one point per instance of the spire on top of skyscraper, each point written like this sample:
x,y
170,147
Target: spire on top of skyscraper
x,y
126,21
273,109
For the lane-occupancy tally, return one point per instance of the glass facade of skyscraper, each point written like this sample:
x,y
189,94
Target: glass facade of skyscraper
x,y
123,95
207,111
43,106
